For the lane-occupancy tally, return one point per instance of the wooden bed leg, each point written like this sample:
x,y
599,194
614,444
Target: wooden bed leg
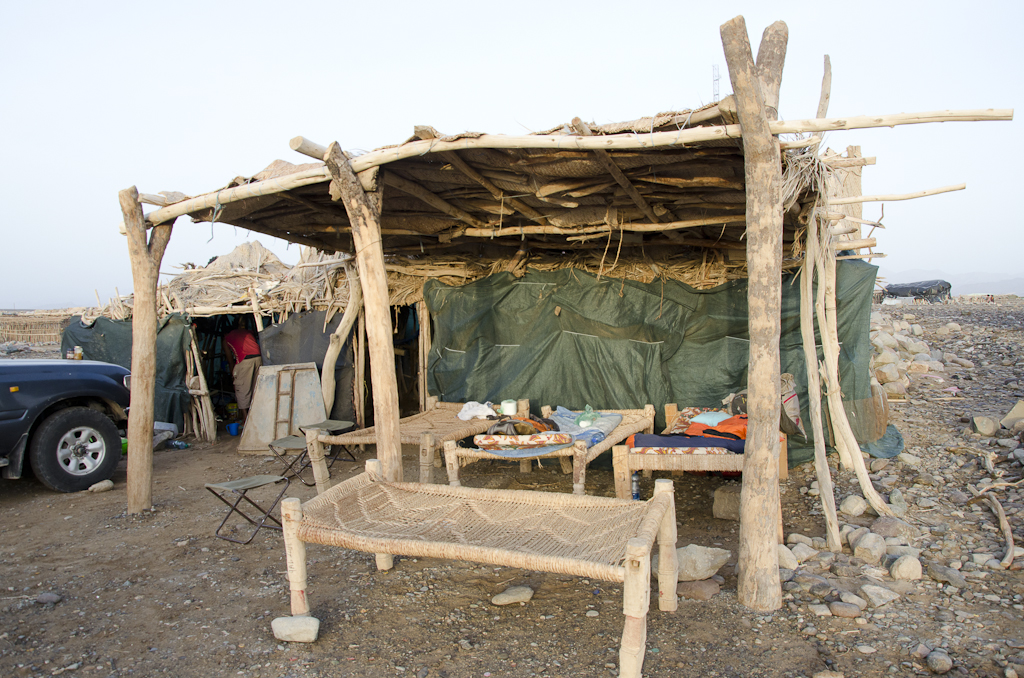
x,y
620,469
566,464
385,561
452,462
427,458
295,555
525,465
315,451
668,559
636,600
579,467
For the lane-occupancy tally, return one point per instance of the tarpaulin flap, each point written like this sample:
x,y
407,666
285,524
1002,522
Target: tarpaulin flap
x,y
302,339
111,341
566,338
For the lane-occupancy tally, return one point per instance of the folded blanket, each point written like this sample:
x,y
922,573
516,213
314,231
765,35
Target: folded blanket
x,y
566,421
502,442
653,440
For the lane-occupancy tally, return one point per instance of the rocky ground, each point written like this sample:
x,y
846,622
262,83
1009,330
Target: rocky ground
x,y
88,590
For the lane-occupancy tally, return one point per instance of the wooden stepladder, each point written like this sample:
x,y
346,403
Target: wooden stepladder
x,y
284,402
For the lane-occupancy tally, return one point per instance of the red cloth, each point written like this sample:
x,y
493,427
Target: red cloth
x,y
241,344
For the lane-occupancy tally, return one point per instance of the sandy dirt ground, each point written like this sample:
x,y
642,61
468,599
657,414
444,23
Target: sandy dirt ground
x,y
158,594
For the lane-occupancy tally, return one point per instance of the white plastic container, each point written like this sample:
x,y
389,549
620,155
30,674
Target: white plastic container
x,y
508,407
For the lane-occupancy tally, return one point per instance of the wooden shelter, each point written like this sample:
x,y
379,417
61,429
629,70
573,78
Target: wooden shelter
x,y
703,196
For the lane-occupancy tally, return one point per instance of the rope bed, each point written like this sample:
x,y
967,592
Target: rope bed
x,y
596,537
429,429
633,421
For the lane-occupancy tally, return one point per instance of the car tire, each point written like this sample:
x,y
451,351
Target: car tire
x,y
74,449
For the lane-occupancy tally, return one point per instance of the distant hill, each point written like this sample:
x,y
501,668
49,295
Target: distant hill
x,y
963,283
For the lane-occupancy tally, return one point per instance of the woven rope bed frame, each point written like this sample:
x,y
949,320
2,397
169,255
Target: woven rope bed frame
x,y
633,421
429,429
596,537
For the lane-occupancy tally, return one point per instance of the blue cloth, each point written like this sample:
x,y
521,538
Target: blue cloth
x,y
566,420
652,440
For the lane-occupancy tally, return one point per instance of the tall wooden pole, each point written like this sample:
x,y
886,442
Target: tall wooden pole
x,y
365,220
759,586
145,258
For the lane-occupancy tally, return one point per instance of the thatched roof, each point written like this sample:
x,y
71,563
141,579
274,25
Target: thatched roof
x,y
488,202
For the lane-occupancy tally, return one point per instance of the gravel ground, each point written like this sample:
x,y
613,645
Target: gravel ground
x,y
157,594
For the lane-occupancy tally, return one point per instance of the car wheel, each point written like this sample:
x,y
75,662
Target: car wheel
x,y
75,448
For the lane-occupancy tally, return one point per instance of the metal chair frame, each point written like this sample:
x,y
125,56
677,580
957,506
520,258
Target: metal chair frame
x,y
240,487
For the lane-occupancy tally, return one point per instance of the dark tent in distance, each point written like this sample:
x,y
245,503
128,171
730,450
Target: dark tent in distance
x,y
932,290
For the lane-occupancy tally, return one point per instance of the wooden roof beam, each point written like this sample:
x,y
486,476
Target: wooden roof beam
x,y
424,132
613,169
417,191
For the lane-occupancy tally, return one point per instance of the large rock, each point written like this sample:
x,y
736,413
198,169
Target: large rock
x,y
700,562
939,662
886,356
885,340
855,536
513,594
906,568
787,560
698,590
895,388
727,502
877,596
1013,416
853,599
845,610
946,575
986,426
870,548
803,552
296,629
887,374
888,526
854,505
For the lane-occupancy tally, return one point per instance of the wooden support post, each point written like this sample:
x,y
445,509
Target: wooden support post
x,y
668,558
373,279
359,397
758,586
846,442
636,601
256,314
424,345
295,555
338,338
145,259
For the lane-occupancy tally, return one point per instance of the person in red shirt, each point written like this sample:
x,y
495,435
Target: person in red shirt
x,y
244,351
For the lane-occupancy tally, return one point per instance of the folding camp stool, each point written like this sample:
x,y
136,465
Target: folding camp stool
x,y
295,447
239,488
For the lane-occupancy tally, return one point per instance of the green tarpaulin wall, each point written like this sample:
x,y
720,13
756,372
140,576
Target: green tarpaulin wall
x,y
111,341
566,338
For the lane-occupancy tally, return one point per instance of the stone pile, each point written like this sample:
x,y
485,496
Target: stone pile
x,y
902,356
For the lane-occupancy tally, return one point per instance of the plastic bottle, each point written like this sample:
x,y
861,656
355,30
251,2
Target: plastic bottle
x,y
636,486
178,444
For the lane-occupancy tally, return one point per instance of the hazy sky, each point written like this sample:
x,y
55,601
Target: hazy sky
x,y
96,97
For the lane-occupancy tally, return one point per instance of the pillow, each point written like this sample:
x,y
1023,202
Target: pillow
x,y
710,418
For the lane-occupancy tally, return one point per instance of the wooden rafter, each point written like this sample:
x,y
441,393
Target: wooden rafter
x,y
606,160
